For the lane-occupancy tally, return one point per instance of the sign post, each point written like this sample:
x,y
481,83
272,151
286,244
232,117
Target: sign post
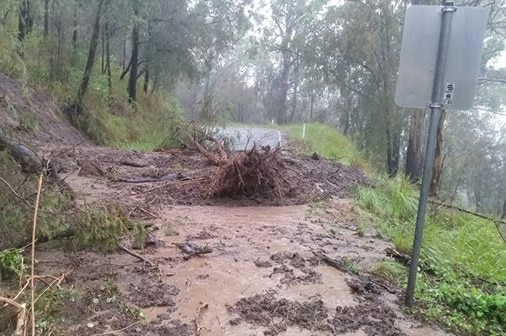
x,y
440,57
430,151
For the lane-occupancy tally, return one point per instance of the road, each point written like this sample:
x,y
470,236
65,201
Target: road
x,y
245,137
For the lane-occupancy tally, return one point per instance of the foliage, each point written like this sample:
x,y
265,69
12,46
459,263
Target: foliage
x,y
463,262
15,226
391,271
11,264
100,227
328,142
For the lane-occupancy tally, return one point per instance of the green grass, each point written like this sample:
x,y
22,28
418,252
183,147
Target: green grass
x,y
327,142
462,282
155,122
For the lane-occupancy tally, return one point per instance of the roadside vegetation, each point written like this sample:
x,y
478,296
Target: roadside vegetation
x,y
462,278
325,141
154,122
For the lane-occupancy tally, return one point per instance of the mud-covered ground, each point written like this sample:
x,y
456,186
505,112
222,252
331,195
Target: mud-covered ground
x,y
265,274
262,277
117,173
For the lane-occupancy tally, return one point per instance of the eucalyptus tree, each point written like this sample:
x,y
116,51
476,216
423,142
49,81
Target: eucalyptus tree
x,y
83,86
285,39
361,55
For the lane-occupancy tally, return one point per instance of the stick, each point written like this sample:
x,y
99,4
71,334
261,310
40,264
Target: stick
x,y
32,271
133,164
119,330
331,262
20,324
476,214
198,328
13,191
134,254
450,206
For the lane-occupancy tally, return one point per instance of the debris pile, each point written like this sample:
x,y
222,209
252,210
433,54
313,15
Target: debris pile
x,y
256,171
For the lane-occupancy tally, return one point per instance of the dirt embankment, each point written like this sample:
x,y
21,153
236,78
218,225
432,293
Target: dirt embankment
x,y
34,116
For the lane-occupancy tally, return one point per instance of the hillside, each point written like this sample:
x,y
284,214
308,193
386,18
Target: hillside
x,y
34,116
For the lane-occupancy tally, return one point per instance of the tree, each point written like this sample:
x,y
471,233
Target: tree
x,y
134,60
83,86
291,22
25,20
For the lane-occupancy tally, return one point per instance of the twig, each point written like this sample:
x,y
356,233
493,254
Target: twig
x,y
57,281
198,328
142,210
119,330
134,254
178,182
13,191
476,214
20,324
32,271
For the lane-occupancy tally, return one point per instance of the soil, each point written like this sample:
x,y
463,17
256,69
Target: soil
x,y
262,277
310,179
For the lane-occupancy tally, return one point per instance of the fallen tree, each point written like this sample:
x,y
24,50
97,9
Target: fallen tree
x,y
259,171
32,163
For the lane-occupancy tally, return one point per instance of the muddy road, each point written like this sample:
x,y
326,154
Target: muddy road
x,y
265,274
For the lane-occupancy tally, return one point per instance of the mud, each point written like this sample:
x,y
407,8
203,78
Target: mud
x,y
94,168
262,277
34,115
149,293
260,255
277,315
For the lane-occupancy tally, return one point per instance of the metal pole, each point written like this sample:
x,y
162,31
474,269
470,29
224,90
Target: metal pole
x,y
435,106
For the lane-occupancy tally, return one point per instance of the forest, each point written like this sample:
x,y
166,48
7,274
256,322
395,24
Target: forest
x,y
252,62
145,76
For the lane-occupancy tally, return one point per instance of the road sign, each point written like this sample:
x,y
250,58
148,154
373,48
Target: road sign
x,y
420,42
440,59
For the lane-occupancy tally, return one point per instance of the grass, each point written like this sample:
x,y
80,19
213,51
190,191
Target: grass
x,y
327,142
462,281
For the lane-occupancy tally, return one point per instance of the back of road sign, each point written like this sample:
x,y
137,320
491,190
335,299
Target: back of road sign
x,y
419,51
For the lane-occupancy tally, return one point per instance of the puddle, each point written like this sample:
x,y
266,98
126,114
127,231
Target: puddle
x,y
152,313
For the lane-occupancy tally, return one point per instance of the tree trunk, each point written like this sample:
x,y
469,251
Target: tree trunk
x,y
102,51
295,92
311,106
83,87
503,215
74,33
345,115
437,170
25,21
146,80
393,151
46,18
134,60
414,156
108,57
283,89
